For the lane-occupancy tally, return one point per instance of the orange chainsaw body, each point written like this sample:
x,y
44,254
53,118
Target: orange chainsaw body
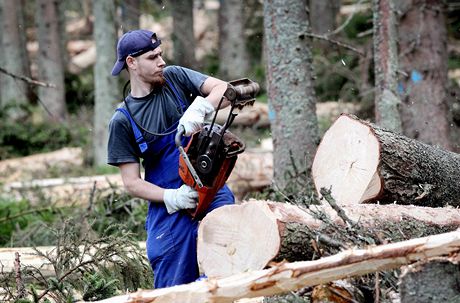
x,y
208,159
216,178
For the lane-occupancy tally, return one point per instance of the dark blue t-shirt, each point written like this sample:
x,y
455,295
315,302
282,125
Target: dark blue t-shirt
x,y
155,112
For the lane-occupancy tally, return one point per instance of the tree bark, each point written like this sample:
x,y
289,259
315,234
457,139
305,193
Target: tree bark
x,y
385,66
436,281
106,94
233,56
286,277
15,92
50,63
130,14
183,36
361,162
323,15
292,103
229,236
422,34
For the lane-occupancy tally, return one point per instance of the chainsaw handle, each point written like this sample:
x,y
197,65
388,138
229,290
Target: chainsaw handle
x,y
179,134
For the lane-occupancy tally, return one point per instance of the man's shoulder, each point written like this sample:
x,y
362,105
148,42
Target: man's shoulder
x,y
118,115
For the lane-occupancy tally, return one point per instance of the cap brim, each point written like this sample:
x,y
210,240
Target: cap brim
x,y
117,68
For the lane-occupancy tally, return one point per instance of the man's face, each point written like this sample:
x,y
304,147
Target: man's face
x,y
150,66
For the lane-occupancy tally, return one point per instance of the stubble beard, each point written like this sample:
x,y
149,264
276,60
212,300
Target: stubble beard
x,y
158,81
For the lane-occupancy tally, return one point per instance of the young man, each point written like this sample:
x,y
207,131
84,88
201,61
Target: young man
x,y
143,127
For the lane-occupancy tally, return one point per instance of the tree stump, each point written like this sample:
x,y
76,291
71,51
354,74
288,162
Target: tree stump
x,y
361,162
239,238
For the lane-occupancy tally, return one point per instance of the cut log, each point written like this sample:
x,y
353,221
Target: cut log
x,y
239,238
26,168
286,277
436,281
257,115
361,162
253,172
64,191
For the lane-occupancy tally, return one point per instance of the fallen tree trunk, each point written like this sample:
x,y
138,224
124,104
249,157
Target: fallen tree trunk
x,y
229,236
26,168
286,277
436,281
361,162
253,172
257,115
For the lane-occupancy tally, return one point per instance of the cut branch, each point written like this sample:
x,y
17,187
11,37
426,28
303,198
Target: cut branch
x,y
292,276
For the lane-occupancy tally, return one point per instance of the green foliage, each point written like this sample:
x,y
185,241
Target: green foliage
x,y
113,261
359,23
17,215
96,287
79,90
30,137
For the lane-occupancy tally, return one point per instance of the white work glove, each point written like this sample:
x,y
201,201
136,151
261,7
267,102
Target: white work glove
x,y
181,198
194,116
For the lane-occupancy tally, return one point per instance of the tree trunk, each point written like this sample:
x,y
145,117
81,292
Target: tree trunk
x,y
233,56
291,96
423,58
323,15
183,36
50,64
105,84
361,162
15,92
285,277
130,14
436,281
385,66
229,236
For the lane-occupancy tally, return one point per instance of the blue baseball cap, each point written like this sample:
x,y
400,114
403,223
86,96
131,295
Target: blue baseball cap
x,y
134,43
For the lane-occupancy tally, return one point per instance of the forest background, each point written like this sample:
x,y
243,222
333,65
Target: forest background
x,y
56,91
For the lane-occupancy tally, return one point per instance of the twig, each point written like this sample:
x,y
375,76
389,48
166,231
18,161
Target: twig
x,y
24,213
27,79
326,193
21,290
344,45
377,288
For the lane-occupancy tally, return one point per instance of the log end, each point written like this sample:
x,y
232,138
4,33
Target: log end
x,y
227,243
347,160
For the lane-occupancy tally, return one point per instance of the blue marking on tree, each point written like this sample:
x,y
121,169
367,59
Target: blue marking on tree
x,y
415,76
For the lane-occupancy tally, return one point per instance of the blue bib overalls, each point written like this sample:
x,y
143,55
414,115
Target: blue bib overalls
x,y
171,239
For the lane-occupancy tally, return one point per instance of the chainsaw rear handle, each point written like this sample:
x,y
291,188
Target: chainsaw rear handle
x,y
179,134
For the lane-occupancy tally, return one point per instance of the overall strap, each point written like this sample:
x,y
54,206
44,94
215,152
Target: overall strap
x,y
137,133
176,93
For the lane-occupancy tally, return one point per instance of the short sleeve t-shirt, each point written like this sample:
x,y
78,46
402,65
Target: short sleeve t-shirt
x,y
155,113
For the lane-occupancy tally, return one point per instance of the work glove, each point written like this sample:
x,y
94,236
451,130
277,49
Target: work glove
x,y
182,198
194,116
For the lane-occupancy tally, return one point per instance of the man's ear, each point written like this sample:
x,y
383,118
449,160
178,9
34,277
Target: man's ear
x,y
130,62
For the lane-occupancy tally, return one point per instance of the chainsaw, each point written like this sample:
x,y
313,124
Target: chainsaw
x,y
208,159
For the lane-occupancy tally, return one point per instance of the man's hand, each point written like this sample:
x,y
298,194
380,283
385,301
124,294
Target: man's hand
x,y
194,116
182,198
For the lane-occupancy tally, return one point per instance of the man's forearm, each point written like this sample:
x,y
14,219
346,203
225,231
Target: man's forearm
x,y
145,190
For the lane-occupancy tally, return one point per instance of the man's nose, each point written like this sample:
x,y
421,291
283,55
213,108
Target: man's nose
x,y
161,62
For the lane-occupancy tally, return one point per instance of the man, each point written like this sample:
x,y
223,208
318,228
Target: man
x,y
143,127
